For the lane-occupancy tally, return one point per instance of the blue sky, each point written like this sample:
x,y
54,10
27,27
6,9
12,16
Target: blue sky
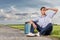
x,y
4,4
24,3
8,8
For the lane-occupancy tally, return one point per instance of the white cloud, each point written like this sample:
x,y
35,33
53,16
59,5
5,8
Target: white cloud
x,y
29,10
52,1
13,8
2,11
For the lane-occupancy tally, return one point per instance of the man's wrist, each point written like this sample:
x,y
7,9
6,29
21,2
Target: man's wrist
x,y
49,9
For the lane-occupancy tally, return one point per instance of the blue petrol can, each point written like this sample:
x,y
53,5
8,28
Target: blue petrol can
x,y
27,28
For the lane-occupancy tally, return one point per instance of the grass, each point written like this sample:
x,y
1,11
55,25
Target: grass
x,y
17,26
55,32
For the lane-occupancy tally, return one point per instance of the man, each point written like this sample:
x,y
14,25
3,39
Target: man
x,y
43,23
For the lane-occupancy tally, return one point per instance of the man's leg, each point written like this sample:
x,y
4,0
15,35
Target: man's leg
x,y
38,28
32,29
47,30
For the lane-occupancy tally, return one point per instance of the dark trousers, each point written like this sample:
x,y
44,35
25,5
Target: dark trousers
x,y
43,31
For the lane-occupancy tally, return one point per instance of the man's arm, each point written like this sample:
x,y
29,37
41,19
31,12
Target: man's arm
x,y
31,22
54,9
51,13
35,20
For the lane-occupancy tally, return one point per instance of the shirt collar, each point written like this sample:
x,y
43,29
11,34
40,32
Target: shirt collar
x,y
43,16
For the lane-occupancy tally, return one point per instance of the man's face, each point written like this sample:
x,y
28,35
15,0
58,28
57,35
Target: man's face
x,y
43,11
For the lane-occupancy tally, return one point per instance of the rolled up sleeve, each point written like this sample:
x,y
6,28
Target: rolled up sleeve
x,y
35,19
50,14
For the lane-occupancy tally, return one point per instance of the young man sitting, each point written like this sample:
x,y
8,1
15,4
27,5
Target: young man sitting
x,y
43,23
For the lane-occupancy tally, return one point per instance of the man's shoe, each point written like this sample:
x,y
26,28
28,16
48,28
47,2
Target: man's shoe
x,y
38,34
30,35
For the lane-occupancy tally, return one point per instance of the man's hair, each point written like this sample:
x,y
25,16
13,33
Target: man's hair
x,y
42,8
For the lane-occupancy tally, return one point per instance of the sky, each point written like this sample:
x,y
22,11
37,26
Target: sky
x,y
17,11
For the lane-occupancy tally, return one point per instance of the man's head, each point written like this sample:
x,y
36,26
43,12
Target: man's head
x,y
43,10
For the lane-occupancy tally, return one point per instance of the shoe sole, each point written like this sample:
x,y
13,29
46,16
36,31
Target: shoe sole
x,y
37,36
31,36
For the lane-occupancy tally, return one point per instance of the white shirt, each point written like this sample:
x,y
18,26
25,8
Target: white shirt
x,y
45,20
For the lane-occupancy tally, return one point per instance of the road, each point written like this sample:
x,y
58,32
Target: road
x,y
7,33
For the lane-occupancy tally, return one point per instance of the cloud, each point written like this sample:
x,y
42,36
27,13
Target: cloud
x,y
53,2
2,11
34,3
29,10
13,8
9,8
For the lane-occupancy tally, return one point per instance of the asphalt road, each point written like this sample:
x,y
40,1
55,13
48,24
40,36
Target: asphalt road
x,y
7,33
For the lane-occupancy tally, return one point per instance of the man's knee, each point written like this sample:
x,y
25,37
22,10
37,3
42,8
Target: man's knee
x,y
47,30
